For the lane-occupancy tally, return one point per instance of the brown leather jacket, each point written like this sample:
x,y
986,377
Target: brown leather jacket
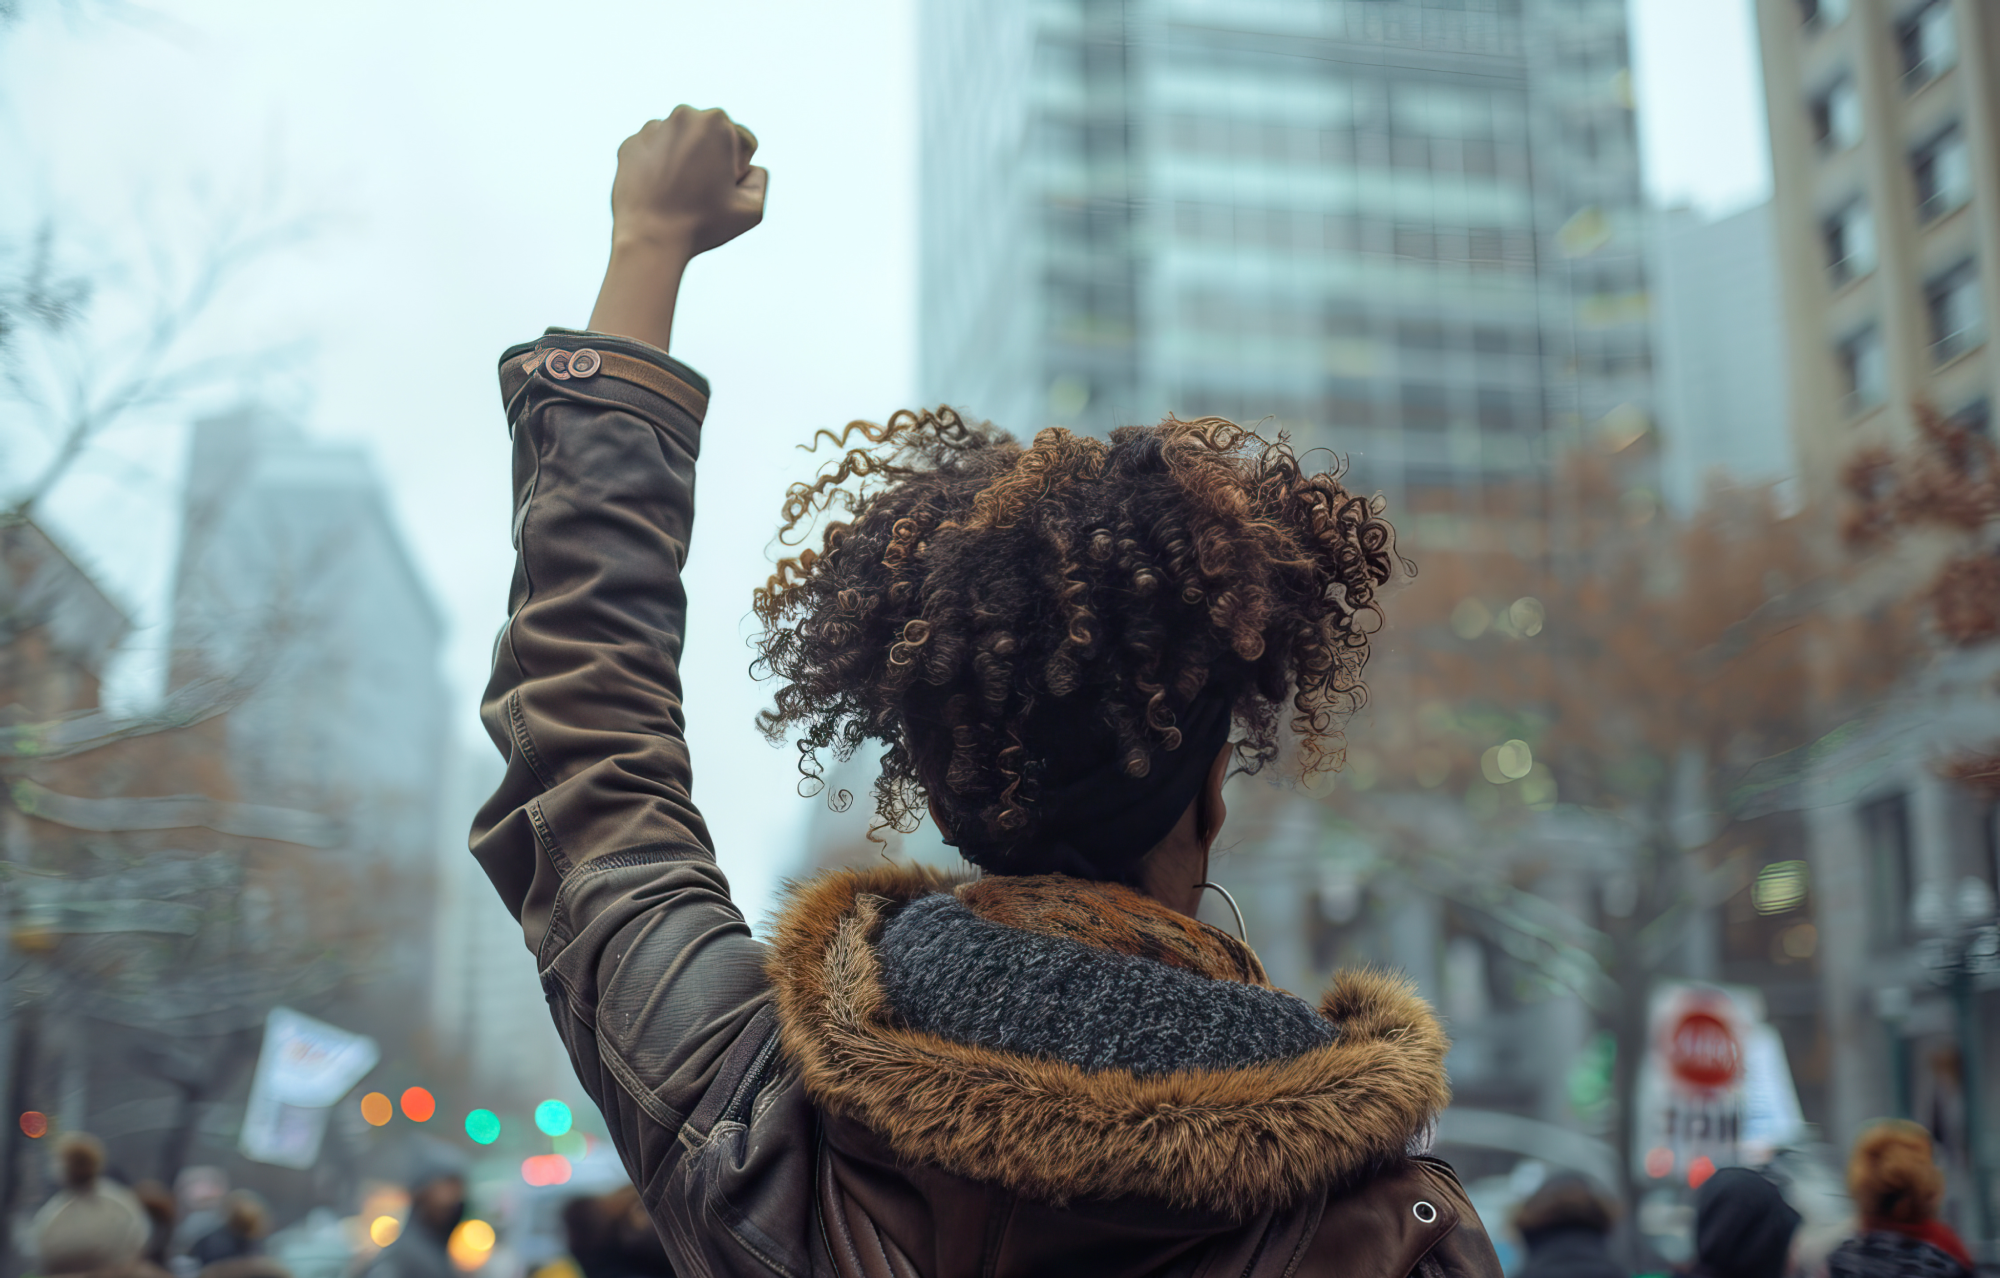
x,y
774,1113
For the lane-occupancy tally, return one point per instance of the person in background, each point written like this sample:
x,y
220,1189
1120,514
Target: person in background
x,y
1743,1227
1566,1226
235,1249
91,1224
161,1211
1897,1186
200,1192
437,1204
587,1236
610,1236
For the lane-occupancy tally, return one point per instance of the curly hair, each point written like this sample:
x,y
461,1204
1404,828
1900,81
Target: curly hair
x,y
965,581
1893,1176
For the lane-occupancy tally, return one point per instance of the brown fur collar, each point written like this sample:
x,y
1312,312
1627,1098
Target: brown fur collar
x,y
1239,1141
1112,917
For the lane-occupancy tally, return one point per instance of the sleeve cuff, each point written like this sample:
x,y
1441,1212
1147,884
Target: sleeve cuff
x,y
579,356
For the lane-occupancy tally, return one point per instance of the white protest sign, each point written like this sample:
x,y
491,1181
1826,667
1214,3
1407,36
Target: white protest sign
x,y
305,1066
1772,1118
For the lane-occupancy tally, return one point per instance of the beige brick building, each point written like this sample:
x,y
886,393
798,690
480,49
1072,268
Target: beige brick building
x,y
1885,139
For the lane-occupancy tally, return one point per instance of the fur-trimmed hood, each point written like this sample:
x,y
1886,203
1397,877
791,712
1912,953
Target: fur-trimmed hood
x,y
1290,1106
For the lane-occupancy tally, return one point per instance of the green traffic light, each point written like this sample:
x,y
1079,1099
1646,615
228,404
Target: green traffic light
x,y
553,1117
483,1126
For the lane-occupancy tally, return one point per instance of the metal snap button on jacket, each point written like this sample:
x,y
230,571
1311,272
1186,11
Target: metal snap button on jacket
x,y
583,363
1425,1212
557,365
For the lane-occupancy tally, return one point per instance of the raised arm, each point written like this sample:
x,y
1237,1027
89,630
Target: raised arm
x,y
593,838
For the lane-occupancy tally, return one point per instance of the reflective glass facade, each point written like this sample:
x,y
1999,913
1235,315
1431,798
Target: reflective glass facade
x,y
1410,232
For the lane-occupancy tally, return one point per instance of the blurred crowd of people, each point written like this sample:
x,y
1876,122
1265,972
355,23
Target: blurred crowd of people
x,y
99,1226
1744,1225
95,1224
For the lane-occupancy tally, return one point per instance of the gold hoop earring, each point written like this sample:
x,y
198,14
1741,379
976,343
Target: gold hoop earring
x,y
1242,934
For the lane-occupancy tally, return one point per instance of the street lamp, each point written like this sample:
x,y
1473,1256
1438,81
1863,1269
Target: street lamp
x,y
1961,944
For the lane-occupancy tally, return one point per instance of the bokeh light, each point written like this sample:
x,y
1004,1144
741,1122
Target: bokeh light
x,y
1780,886
483,1126
375,1107
384,1230
545,1169
572,1144
1699,1171
418,1105
1659,1162
34,1124
553,1117
1528,615
470,1245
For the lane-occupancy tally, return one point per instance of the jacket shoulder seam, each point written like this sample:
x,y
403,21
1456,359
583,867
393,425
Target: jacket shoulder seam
x,y
517,718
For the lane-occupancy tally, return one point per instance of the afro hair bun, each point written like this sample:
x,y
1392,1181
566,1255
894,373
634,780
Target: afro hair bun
x,y
1892,1175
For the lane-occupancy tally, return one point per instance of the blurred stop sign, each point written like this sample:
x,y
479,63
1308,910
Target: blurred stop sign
x,y
1703,1051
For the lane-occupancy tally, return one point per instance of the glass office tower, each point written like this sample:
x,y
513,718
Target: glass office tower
x,y
1408,231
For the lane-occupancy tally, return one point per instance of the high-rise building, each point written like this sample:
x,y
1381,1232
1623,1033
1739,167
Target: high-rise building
x,y
294,581
1408,231
1719,329
1885,147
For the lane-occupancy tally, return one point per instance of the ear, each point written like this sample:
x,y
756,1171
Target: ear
x,y
1210,810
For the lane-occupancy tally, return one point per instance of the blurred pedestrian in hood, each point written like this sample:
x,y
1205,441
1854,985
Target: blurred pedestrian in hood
x,y
437,1204
1566,1225
1743,1227
157,1201
91,1223
1897,1186
235,1249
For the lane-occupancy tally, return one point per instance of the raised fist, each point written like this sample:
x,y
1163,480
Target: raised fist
x,y
686,183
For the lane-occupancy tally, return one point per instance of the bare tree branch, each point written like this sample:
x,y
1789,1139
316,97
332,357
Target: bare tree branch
x,y
82,392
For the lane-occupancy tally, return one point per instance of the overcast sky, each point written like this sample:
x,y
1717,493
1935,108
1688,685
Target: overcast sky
x,y
463,153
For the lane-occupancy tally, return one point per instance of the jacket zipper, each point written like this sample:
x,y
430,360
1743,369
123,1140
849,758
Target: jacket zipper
x,y
745,1099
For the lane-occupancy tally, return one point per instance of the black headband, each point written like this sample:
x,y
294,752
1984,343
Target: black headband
x,y
1092,819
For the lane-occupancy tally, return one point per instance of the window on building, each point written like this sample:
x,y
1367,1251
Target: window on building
x,y
1850,242
1885,839
1500,409
1957,312
1417,335
1429,477
1836,116
1416,242
1425,407
1929,42
1863,370
1976,416
1943,170
1349,401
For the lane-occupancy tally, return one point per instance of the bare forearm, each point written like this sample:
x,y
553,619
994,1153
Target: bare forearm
x,y
642,282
